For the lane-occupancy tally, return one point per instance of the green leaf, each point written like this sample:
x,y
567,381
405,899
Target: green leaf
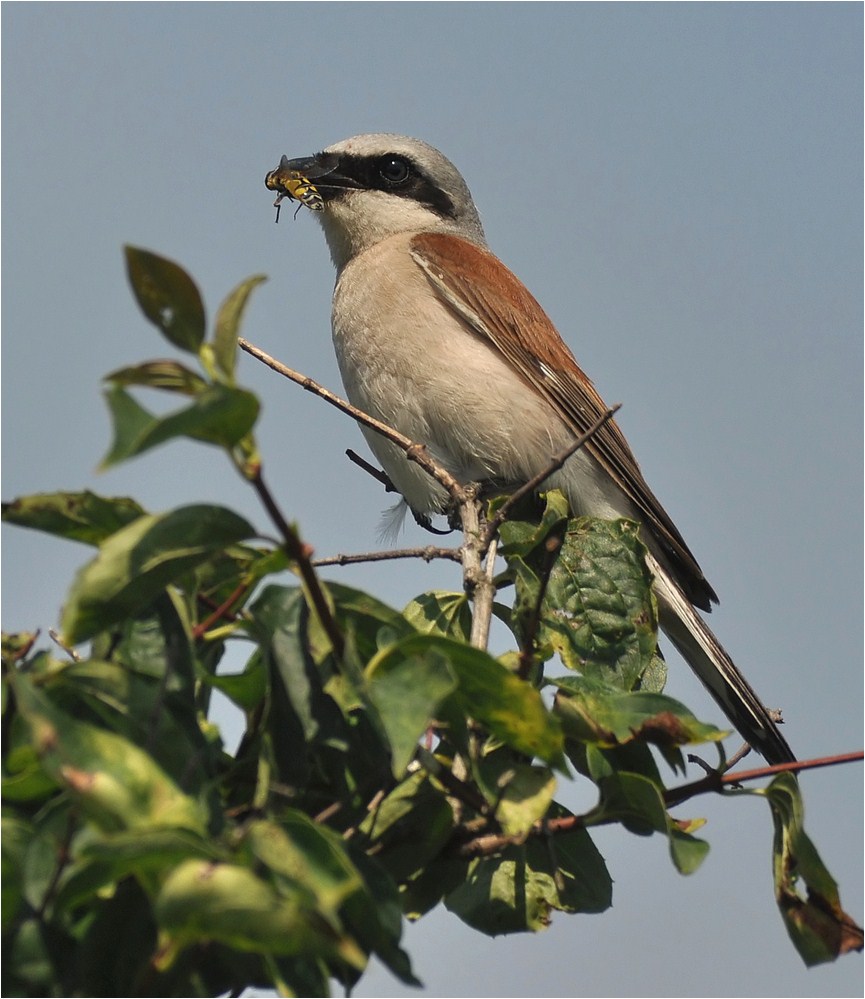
x,y
130,423
599,612
279,618
171,376
374,916
202,901
117,783
406,689
409,827
77,516
246,689
487,692
23,776
423,892
521,793
228,320
598,712
518,889
509,707
372,624
817,924
168,297
638,804
530,549
440,613
147,694
17,834
145,853
137,562
522,538
218,415
300,853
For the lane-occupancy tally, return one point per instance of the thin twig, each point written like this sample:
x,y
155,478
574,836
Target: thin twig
x,y
300,553
370,469
554,465
414,451
428,553
220,611
55,637
421,519
718,781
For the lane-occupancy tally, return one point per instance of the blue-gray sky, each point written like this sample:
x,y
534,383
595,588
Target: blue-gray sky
x,y
678,184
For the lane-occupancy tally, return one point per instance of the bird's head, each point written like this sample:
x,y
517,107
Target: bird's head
x,y
369,187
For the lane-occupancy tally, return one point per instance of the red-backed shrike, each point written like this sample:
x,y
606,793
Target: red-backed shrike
x,y
437,338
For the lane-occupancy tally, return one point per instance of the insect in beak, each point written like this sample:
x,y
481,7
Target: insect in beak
x,y
293,185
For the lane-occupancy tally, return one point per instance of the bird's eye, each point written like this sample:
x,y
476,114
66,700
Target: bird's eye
x,y
394,169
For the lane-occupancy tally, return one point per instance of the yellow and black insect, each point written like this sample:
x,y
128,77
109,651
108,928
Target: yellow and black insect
x,y
292,184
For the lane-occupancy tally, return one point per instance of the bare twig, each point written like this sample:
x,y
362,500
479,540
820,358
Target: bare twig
x,y
55,637
554,465
477,578
428,553
414,451
718,781
421,519
220,611
370,469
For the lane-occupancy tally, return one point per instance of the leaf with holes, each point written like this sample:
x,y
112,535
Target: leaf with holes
x,y
168,297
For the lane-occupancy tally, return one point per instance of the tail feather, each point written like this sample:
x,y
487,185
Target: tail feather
x,y
693,638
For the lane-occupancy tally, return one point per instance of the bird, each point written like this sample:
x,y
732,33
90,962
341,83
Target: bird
x,y
437,338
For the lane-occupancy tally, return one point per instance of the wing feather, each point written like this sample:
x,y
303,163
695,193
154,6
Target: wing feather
x,y
496,306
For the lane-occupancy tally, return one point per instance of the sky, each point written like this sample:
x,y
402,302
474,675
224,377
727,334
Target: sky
x,y
680,185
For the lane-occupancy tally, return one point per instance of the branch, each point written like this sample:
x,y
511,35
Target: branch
x,y
718,781
55,637
490,843
477,579
555,464
413,451
428,553
300,553
222,610
376,473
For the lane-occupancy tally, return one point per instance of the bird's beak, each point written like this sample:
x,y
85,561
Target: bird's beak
x,y
292,179
296,178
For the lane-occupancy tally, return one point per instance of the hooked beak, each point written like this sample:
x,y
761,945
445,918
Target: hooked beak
x,y
295,179
291,182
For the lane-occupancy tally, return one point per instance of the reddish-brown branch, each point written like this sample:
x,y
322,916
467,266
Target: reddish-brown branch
x,y
718,781
219,612
490,843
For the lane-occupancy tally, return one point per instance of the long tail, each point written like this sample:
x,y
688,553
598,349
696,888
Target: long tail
x,y
707,658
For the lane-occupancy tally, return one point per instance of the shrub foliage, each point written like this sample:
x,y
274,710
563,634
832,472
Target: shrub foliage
x,y
386,765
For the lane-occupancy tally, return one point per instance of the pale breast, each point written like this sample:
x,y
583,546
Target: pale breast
x,y
407,359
